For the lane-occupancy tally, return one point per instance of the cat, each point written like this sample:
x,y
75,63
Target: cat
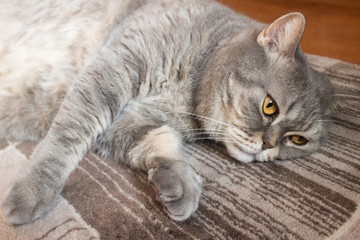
x,y
136,79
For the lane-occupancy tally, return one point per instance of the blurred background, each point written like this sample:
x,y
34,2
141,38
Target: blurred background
x,y
332,28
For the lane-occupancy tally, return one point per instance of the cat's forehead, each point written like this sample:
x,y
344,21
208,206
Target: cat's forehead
x,y
286,80
289,81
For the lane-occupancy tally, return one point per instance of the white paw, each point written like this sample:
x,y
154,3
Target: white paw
x,y
267,155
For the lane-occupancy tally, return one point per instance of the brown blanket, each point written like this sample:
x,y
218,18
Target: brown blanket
x,y
315,197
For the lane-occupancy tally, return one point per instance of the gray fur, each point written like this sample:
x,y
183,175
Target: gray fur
x,y
163,70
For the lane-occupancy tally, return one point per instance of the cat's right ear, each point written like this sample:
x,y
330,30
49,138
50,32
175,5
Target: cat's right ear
x,y
283,36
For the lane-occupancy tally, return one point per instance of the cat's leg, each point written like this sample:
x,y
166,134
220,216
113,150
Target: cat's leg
x,y
142,139
86,112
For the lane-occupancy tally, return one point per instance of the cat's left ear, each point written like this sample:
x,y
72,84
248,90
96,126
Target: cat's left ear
x,y
283,36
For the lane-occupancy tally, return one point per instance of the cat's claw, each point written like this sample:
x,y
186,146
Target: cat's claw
x,y
26,201
178,187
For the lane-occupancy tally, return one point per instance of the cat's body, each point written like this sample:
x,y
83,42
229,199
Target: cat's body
x,y
140,77
44,47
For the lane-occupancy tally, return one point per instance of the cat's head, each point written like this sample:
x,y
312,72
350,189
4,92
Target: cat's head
x,y
266,101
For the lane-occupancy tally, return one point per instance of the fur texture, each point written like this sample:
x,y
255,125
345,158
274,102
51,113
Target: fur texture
x,y
135,79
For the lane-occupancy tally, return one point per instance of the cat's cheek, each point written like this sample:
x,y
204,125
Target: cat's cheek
x,y
267,155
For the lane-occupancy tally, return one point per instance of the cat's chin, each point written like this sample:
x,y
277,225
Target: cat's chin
x,y
239,154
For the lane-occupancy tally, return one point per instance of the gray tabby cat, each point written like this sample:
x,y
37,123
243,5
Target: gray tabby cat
x,y
137,79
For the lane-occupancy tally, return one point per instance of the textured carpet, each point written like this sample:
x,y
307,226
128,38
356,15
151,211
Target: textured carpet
x,y
316,197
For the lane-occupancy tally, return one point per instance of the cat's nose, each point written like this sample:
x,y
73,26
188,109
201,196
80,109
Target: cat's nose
x,y
266,145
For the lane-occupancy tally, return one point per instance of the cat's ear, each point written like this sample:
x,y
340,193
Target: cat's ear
x,y
283,36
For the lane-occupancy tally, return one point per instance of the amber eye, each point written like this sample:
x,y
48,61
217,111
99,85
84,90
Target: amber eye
x,y
298,140
270,107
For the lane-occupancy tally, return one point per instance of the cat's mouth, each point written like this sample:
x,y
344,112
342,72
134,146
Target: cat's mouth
x,y
238,153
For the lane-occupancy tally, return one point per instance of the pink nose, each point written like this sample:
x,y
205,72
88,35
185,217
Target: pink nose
x,y
266,145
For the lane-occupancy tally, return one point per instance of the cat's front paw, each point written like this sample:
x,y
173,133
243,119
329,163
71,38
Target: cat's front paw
x,y
267,155
27,201
177,186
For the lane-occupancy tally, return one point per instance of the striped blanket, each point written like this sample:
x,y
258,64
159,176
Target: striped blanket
x,y
316,197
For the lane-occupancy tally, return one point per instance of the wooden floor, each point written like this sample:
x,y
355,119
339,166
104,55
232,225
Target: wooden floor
x,y
332,29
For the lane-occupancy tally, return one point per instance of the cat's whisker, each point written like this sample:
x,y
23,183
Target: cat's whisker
x,y
211,135
194,129
209,132
220,138
206,118
346,96
224,141
202,130
216,140
203,138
